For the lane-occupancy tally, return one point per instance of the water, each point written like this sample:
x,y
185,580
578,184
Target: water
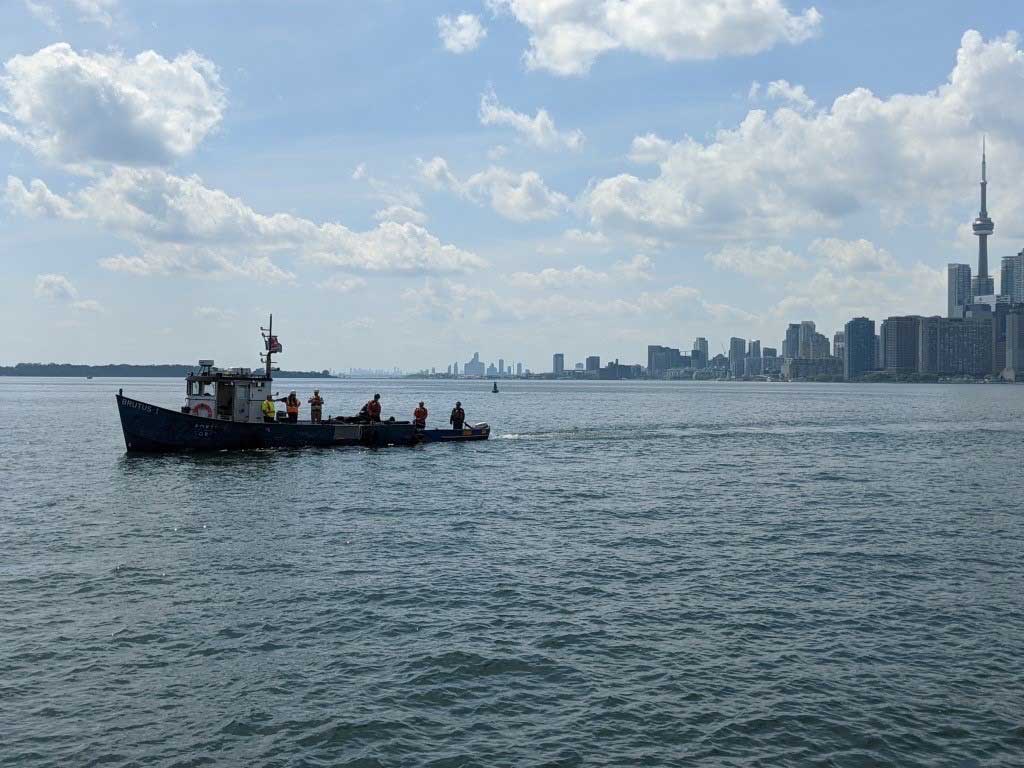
x,y
626,574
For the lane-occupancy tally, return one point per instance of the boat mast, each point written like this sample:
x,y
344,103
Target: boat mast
x,y
268,336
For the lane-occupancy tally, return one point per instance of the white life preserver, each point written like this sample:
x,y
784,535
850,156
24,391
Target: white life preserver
x,y
202,409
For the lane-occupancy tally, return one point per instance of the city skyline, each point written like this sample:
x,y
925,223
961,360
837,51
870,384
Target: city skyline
x,y
485,192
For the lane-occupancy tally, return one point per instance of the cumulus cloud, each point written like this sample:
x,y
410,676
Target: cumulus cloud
x,y
182,226
214,313
55,288
637,268
781,90
60,290
566,37
785,171
516,196
344,283
85,108
558,278
462,34
538,130
401,214
754,260
852,255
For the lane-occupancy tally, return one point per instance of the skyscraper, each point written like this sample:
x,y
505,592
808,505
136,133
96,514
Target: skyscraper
x,y
700,348
958,288
983,285
519,369
899,338
594,363
1011,283
791,346
806,339
838,344
558,364
859,347
737,354
501,366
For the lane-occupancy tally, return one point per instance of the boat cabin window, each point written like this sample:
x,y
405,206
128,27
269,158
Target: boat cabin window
x,y
196,388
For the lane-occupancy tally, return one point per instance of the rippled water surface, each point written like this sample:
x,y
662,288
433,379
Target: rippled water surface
x,y
651,573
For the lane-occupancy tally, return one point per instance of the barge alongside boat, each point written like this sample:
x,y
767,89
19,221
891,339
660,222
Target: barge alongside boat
x,y
223,412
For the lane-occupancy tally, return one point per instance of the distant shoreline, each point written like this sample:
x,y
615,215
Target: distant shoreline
x,y
126,371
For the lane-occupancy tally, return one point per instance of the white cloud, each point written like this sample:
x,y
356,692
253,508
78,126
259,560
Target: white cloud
x,y
59,289
359,173
183,227
87,305
538,130
85,108
344,283
519,197
852,255
43,12
215,313
796,95
590,239
637,268
567,36
558,278
55,288
784,171
755,260
462,34
401,214
98,11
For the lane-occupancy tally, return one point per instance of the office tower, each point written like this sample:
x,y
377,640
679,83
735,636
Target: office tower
x,y
769,352
983,285
838,344
791,346
899,338
661,359
455,369
501,366
737,355
519,369
558,364
859,347
806,339
449,369
1013,370
593,363
819,346
474,367
958,289
700,356
1011,282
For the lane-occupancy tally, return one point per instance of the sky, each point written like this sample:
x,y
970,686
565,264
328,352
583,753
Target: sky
x,y
407,183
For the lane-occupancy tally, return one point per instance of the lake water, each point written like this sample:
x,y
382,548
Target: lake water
x,y
649,573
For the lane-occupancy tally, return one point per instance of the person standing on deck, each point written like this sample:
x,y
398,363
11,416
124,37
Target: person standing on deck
x,y
316,407
458,417
268,409
419,416
372,408
291,403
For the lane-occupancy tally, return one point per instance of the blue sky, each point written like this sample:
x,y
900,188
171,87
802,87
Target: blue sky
x,y
407,183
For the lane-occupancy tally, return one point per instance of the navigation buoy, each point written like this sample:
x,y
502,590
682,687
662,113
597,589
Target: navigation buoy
x,y
495,388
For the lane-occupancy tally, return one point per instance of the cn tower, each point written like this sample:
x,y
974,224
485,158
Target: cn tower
x,y
982,284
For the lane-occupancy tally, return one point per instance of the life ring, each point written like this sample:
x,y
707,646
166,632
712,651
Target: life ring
x,y
202,410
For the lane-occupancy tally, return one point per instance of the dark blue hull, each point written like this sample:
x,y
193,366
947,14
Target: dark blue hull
x,y
151,429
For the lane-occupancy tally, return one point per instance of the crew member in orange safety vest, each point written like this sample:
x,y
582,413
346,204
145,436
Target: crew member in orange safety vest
x,y
291,404
372,408
419,416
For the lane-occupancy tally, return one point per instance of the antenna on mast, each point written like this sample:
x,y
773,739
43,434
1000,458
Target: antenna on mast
x,y
272,346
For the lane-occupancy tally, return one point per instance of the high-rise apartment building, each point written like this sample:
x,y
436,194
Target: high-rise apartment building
x,y
957,347
858,347
699,357
737,356
806,339
1011,279
899,339
593,363
838,344
791,346
558,364
958,289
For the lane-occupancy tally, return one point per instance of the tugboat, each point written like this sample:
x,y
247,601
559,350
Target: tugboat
x,y
223,412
